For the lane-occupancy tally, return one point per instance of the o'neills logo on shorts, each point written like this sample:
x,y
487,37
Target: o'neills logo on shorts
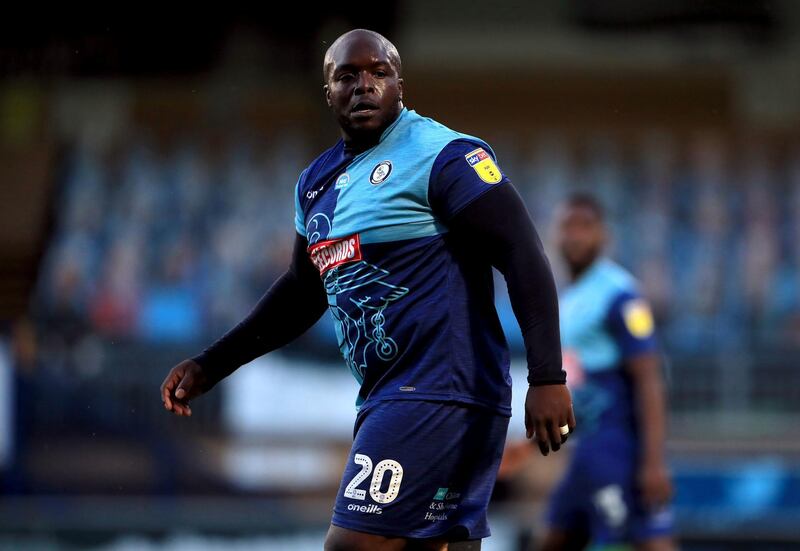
x,y
329,254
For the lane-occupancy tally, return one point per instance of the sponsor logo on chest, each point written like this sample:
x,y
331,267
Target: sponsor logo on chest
x,y
335,252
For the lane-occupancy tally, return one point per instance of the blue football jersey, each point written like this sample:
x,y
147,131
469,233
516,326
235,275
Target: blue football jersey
x,y
413,307
604,321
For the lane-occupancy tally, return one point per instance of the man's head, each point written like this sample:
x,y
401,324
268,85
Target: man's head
x,y
363,86
581,231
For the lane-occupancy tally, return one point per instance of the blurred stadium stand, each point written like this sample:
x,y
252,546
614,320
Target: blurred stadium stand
x,y
146,203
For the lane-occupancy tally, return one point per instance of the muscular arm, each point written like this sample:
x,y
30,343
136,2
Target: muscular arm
x,y
498,222
470,193
287,310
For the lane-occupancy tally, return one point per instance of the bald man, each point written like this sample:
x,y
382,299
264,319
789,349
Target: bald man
x,y
398,227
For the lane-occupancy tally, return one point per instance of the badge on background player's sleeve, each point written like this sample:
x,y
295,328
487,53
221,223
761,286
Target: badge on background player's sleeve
x,y
638,318
484,166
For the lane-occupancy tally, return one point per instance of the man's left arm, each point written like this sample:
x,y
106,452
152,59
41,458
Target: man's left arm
x,y
632,325
488,211
648,390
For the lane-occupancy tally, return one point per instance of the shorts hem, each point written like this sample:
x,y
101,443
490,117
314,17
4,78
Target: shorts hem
x,y
411,534
502,410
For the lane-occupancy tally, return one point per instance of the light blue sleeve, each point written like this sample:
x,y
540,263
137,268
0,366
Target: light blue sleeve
x,y
299,217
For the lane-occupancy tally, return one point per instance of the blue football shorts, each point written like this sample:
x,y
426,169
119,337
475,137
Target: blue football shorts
x,y
599,496
421,469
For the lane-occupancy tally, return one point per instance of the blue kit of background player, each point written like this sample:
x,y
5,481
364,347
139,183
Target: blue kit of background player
x,y
616,489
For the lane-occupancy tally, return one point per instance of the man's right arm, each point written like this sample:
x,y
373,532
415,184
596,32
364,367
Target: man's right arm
x,y
287,310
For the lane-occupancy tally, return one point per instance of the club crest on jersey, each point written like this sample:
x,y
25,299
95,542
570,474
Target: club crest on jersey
x,y
484,166
342,181
335,252
381,172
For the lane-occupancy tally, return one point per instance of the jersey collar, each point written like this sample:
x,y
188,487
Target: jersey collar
x,y
589,272
403,114
391,127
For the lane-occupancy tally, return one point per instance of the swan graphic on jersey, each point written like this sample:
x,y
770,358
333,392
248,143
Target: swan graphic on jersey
x,y
370,292
319,226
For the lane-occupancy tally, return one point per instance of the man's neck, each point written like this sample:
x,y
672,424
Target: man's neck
x,y
576,271
355,144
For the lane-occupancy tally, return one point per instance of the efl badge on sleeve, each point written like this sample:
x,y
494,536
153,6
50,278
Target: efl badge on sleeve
x,y
638,318
484,165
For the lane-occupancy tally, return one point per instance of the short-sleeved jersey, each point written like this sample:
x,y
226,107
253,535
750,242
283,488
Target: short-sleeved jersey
x,y
604,321
413,306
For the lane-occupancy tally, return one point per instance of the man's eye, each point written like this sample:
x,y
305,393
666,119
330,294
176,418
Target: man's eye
x,y
345,77
380,74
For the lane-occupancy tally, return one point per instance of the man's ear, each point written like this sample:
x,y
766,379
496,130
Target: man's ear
x,y
400,88
327,90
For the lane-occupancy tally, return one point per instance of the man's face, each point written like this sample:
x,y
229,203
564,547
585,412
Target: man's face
x,y
364,89
580,235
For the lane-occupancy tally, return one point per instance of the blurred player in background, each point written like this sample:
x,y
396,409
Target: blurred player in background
x,y
617,488
398,226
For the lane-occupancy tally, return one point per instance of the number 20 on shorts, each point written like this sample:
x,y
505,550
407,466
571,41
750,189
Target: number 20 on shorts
x,y
375,493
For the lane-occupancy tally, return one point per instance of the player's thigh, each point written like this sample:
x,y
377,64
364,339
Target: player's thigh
x,y
560,540
660,543
351,540
343,539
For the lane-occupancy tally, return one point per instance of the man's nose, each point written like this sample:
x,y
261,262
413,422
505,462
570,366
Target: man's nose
x,y
365,83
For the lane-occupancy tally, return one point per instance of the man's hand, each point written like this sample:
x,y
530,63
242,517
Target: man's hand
x,y
184,382
654,484
547,408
